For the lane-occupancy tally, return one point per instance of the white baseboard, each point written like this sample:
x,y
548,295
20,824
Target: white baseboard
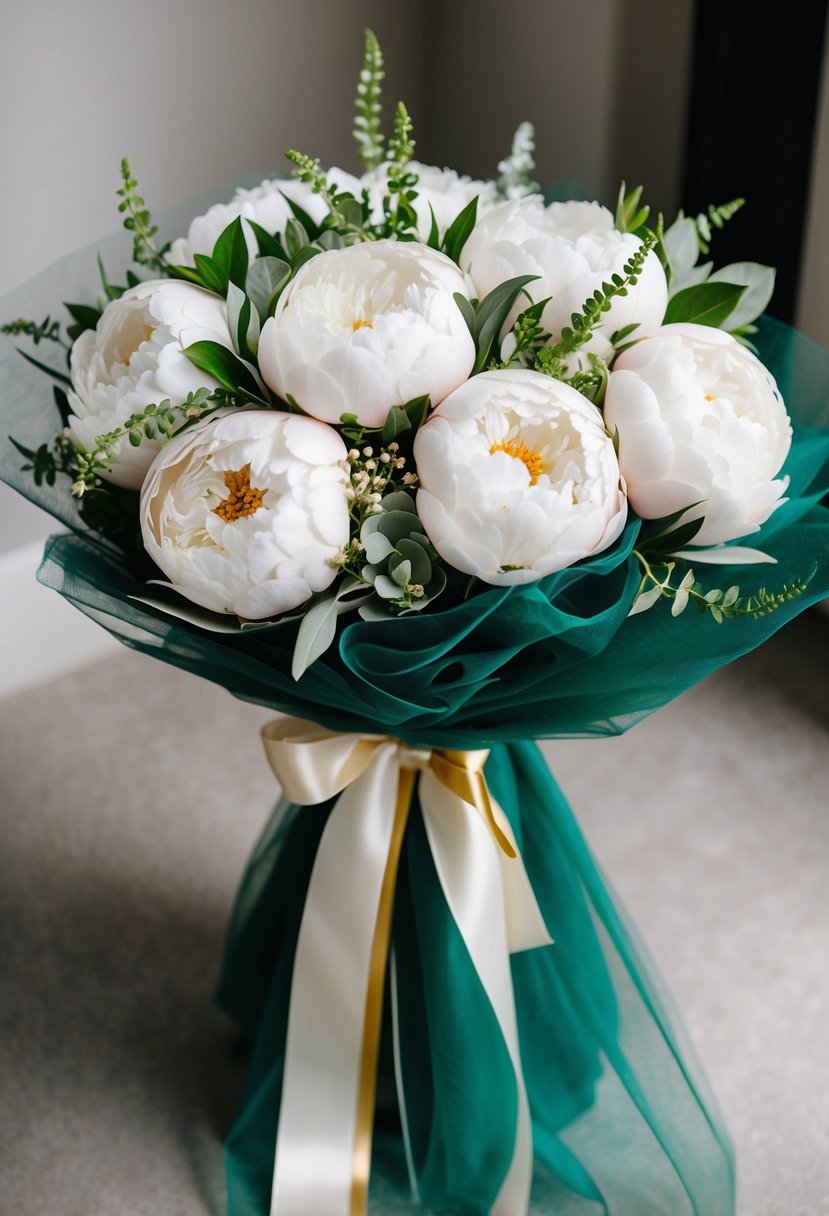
x,y
43,636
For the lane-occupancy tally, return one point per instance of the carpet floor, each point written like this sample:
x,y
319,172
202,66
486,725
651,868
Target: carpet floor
x,y
132,794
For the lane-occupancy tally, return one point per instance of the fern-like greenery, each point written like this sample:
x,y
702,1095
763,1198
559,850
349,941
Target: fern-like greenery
x,y
139,221
46,330
367,104
155,421
715,217
553,360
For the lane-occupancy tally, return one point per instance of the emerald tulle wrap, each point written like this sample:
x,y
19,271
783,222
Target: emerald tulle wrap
x,y
622,1120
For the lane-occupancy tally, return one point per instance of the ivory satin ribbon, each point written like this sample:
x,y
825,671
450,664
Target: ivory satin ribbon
x,y
323,1146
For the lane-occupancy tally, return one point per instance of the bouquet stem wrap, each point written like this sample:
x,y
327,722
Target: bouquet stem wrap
x,y
509,1080
323,1148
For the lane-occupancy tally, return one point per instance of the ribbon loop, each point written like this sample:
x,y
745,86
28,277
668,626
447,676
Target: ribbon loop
x,y
323,1148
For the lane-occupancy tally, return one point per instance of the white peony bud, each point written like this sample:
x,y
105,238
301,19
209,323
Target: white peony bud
x,y
135,358
518,478
573,248
700,420
246,513
364,328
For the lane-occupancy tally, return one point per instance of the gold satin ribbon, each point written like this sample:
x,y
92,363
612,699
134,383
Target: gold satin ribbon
x,y
462,774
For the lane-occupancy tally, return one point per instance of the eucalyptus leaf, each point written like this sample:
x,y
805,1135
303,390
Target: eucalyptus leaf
x,y
316,633
645,601
727,555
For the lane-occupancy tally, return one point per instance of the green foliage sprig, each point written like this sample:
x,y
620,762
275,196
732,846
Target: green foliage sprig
x,y
367,105
155,421
139,221
715,217
347,214
400,215
46,330
721,604
555,360
47,461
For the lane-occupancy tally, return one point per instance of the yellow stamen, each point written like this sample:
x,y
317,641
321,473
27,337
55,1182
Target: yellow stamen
x,y
361,324
708,397
242,498
533,461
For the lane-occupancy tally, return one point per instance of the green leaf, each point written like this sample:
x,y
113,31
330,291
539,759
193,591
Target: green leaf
x,y
44,367
458,231
300,214
397,422
491,314
224,366
269,246
707,304
265,281
211,274
230,253
315,635
758,282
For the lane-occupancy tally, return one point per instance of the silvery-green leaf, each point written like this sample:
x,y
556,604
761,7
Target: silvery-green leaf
x,y
726,555
680,603
266,278
386,588
401,571
645,601
377,546
759,284
374,610
682,247
315,635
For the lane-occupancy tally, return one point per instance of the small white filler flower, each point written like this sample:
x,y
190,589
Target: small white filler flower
x,y
246,513
700,421
573,248
518,478
135,358
364,328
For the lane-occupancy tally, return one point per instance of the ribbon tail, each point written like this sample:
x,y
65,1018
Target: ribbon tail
x,y
468,866
319,1159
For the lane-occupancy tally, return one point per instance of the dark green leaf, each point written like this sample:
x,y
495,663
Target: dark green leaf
x,y
492,313
224,366
706,304
458,231
230,253
212,276
44,367
269,246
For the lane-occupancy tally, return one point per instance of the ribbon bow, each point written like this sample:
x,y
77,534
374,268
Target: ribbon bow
x,y
323,1147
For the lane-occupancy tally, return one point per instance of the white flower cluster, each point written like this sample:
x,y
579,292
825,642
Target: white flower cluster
x,y
252,513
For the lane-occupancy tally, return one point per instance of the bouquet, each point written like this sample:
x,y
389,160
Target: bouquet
x,y
441,467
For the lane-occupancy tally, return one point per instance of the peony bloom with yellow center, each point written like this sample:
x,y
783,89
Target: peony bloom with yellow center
x,y
135,358
701,426
245,513
364,328
518,478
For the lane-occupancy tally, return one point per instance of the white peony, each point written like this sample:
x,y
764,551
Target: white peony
x,y
135,358
364,328
245,513
700,420
573,248
518,478
265,204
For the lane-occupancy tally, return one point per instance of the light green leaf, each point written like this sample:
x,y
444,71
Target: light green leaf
x,y
316,633
726,555
758,282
